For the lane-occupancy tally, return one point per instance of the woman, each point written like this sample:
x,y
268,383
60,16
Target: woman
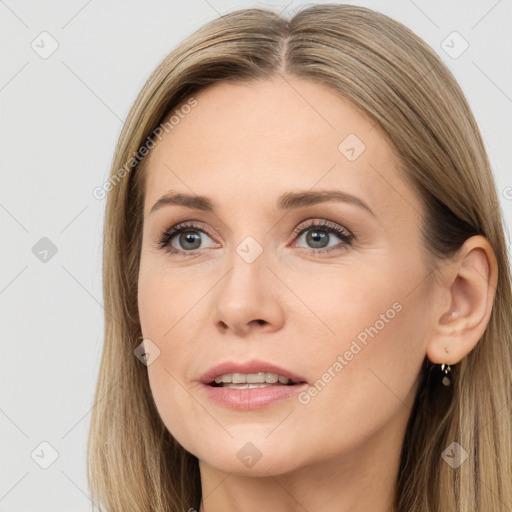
x,y
305,278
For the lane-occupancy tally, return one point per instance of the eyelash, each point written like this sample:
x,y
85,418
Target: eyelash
x,y
324,225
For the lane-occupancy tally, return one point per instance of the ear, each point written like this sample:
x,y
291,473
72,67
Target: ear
x,y
470,282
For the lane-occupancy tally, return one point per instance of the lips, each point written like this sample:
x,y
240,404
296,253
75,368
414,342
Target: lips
x,y
243,397
252,366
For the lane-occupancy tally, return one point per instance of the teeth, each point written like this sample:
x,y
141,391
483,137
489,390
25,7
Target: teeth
x,y
251,378
247,386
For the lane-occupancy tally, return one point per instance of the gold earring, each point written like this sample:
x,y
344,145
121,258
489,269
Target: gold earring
x,y
446,368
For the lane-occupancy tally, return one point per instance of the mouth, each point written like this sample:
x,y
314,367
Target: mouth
x,y
252,380
253,373
251,384
250,391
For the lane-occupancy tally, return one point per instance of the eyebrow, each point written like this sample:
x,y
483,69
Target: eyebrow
x,y
287,201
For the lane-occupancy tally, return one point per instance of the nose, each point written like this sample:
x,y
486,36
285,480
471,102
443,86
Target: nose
x,y
247,298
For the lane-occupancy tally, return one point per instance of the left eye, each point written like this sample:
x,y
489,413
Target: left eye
x,y
188,239
318,236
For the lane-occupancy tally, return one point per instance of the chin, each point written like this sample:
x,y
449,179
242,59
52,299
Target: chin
x,y
251,457
265,466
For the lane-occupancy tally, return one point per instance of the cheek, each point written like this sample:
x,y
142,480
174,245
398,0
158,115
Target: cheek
x,y
169,309
370,368
172,400
166,298
366,345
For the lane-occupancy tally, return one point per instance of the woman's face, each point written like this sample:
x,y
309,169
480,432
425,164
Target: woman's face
x,y
335,291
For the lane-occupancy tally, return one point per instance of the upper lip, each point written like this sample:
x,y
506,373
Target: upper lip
x,y
252,366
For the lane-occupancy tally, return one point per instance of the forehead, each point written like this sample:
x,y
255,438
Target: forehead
x,y
255,141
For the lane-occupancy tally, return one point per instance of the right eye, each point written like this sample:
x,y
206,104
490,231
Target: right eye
x,y
186,234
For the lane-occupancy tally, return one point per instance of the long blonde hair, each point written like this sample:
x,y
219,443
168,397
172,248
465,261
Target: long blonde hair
x,y
399,82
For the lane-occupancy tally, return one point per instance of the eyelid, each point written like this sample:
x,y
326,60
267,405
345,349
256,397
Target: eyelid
x,y
324,223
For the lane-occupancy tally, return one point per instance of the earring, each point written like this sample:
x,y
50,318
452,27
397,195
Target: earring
x,y
446,368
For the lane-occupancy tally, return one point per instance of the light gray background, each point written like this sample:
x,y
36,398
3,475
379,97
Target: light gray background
x,y
60,119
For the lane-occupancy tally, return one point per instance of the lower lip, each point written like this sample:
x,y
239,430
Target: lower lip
x,y
254,398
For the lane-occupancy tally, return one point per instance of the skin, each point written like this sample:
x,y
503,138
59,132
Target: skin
x,y
242,146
